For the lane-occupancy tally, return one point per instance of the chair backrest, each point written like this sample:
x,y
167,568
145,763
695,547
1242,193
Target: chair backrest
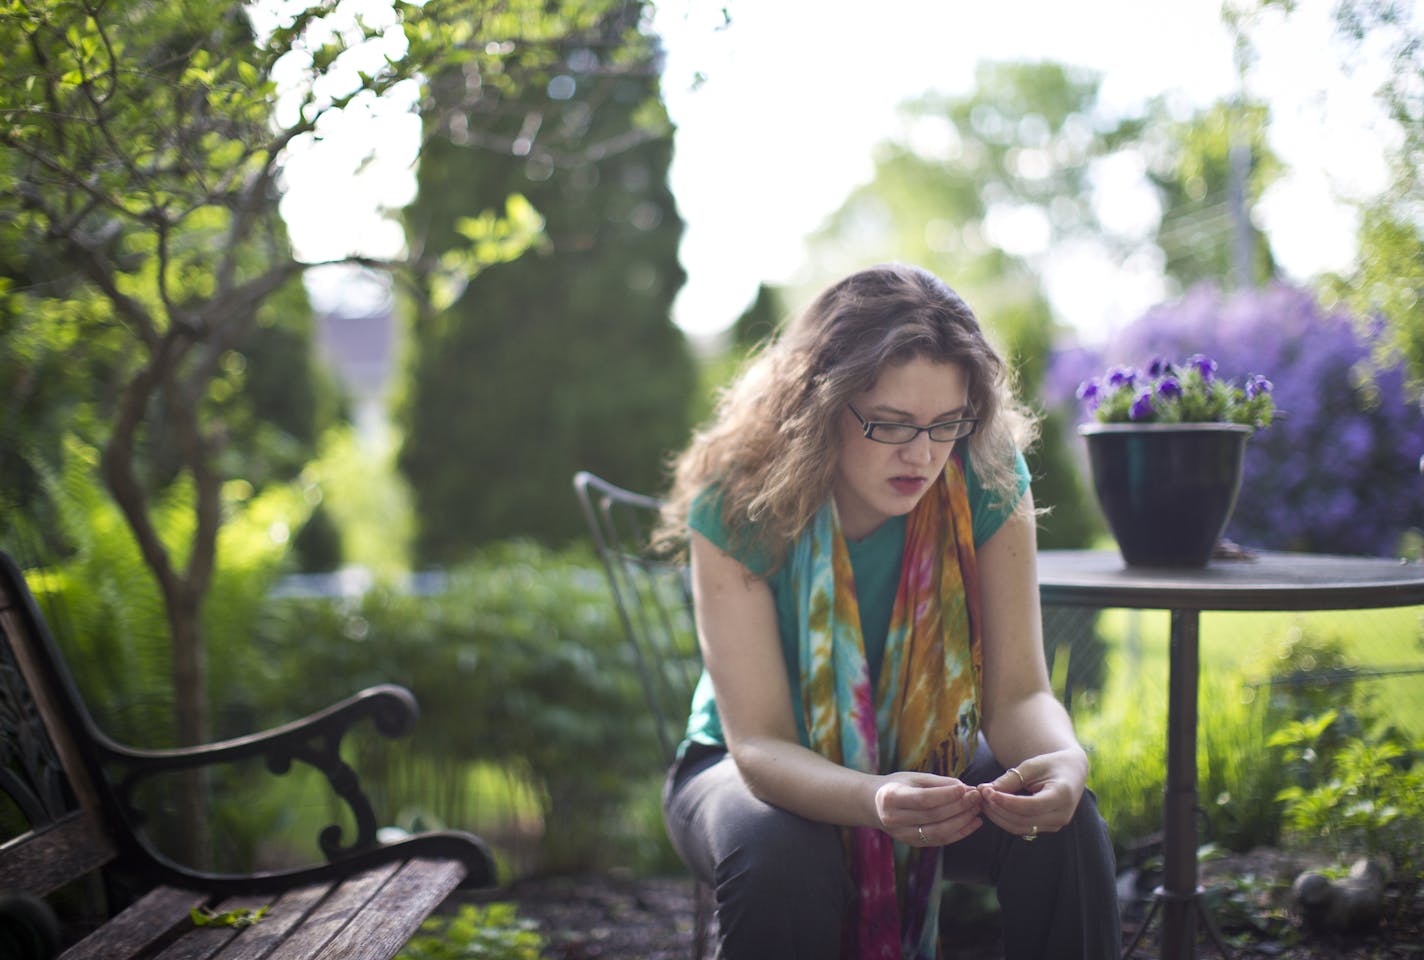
x,y
653,597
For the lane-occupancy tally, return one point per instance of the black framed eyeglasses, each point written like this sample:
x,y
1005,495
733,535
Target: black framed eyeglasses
x,y
888,431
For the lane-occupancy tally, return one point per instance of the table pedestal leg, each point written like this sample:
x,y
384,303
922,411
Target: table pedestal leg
x,y
1179,883
1179,899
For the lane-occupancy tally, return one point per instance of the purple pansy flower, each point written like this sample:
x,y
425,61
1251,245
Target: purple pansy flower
x,y
1090,392
1258,385
1204,365
1159,367
1121,377
1141,407
1169,388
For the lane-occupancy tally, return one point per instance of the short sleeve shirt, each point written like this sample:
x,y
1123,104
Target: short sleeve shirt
x,y
875,563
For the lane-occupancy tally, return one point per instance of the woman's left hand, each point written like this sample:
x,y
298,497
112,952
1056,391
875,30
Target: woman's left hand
x,y
1040,795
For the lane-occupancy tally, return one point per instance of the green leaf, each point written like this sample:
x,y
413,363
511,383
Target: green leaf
x,y
238,919
1303,731
225,154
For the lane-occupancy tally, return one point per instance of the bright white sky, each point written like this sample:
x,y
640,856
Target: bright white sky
x,y
798,93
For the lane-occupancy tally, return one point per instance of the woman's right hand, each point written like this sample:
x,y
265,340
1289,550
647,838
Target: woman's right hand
x,y
924,810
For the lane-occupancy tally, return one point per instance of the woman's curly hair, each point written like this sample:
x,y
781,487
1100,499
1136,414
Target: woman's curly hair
x,y
772,445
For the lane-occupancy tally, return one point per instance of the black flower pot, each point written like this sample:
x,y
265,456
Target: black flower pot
x,y
1167,489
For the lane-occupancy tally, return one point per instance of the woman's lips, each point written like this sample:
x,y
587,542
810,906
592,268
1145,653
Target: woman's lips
x,y
907,486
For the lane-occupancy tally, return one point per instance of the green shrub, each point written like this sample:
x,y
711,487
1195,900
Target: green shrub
x,y
518,663
492,932
1364,798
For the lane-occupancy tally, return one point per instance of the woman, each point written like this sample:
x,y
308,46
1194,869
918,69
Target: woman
x,y
875,713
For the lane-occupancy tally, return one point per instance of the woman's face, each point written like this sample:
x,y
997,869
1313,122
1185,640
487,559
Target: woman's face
x,y
876,481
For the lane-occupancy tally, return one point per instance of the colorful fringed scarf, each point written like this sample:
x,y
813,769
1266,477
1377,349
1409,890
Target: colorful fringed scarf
x,y
924,715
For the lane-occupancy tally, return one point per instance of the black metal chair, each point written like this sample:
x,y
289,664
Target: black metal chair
x,y
654,601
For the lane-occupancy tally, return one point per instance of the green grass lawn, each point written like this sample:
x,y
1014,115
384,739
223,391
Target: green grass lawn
x,y
1244,649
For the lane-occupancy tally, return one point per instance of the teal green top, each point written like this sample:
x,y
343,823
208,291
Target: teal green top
x,y
875,563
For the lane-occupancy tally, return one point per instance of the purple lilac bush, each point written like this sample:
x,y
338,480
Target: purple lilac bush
x,y
1338,470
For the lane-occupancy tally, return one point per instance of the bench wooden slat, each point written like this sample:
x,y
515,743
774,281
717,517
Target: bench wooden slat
x,y
397,911
326,921
147,921
42,861
204,943
287,913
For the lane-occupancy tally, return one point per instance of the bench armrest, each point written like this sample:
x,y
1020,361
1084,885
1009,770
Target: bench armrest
x,y
314,740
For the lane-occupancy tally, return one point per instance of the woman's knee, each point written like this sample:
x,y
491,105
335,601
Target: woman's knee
x,y
1090,827
782,884
773,849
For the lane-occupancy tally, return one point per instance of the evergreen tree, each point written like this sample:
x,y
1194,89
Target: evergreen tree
x,y
762,317
566,358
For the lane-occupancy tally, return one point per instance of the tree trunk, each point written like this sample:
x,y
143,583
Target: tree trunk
x,y
183,591
192,723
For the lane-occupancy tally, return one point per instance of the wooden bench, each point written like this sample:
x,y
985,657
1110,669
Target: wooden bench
x,y
73,795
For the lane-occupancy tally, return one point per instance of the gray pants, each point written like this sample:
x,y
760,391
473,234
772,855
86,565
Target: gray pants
x,y
781,883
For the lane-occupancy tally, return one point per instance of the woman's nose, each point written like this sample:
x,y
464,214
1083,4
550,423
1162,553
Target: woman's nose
x,y
918,450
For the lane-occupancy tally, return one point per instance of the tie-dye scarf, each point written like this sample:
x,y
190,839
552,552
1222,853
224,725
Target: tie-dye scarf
x,y
924,715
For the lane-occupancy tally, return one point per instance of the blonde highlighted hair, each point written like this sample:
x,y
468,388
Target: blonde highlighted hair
x,y
772,445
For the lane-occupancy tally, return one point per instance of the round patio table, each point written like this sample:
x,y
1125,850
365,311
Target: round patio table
x,y
1259,582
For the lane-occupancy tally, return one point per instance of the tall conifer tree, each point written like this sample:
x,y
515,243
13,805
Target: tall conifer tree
x,y
565,358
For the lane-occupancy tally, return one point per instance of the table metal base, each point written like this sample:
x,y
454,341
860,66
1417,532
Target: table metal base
x,y
1191,906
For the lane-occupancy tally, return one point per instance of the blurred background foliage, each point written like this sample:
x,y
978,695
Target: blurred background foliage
x,y
454,546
